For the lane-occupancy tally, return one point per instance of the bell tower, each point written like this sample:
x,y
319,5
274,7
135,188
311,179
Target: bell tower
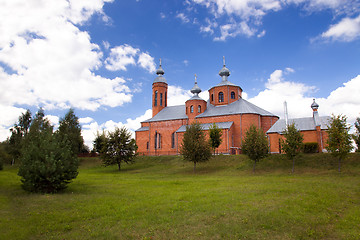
x,y
159,92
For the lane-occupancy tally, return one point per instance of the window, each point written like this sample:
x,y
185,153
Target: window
x,y
165,99
157,140
232,95
199,109
155,98
160,99
173,140
212,97
147,145
191,109
221,97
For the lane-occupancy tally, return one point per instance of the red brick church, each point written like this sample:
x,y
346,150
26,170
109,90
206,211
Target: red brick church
x,y
162,134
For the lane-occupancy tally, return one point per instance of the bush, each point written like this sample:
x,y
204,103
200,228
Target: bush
x,y
1,164
311,147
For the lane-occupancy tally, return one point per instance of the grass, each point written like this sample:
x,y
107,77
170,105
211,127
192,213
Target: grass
x,y
161,198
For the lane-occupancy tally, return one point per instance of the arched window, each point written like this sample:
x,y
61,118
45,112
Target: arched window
x,y
212,97
232,95
165,99
199,109
191,109
161,99
155,98
221,97
173,140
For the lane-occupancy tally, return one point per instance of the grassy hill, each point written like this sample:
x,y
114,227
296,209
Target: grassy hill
x,y
161,198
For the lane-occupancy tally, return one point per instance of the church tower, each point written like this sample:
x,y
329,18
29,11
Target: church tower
x,y
195,105
159,92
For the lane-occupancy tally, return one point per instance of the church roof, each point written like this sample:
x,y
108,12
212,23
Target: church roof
x,y
169,113
240,106
302,124
206,126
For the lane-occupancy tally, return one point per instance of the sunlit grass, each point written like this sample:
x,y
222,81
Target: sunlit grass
x,y
161,198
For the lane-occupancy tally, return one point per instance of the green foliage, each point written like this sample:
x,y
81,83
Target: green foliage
x,y
47,161
194,146
339,139
215,136
293,143
70,129
356,135
99,144
18,133
255,144
5,156
119,147
311,147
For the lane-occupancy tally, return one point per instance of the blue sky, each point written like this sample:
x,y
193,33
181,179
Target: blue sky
x,y
100,56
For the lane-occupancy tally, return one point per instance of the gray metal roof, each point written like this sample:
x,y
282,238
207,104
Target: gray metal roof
x,y
170,113
240,106
206,126
142,129
302,124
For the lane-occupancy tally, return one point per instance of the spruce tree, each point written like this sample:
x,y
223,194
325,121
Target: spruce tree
x,y
47,161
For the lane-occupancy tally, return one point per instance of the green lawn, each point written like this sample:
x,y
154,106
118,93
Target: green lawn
x,y
161,198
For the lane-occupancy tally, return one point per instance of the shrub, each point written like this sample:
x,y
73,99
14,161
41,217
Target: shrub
x,y
311,147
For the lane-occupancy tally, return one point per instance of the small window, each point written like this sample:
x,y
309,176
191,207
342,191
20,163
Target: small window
x,y
165,99
155,98
221,97
212,97
173,140
147,145
157,140
199,109
232,95
191,109
161,95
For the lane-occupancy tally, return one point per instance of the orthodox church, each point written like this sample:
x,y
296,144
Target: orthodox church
x,y
162,134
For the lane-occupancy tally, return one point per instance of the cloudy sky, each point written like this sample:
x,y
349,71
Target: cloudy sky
x,y
100,56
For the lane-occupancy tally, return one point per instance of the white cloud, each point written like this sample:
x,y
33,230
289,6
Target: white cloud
x,y
147,62
120,57
85,120
235,18
183,17
348,29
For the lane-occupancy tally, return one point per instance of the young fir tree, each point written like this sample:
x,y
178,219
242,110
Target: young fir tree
x,y
356,135
47,161
69,127
339,139
18,133
194,146
215,136
293,143
255,144
99,144
119,147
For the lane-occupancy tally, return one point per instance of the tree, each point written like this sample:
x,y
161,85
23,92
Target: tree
x,y
293,143
99,143
5,156
47,161
194,146
356,135
215,136
339,139
119,147
18,133
255,144
70,128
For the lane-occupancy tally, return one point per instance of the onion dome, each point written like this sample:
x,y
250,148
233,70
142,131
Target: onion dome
x,y
160,72
224,71
314,105
195,90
